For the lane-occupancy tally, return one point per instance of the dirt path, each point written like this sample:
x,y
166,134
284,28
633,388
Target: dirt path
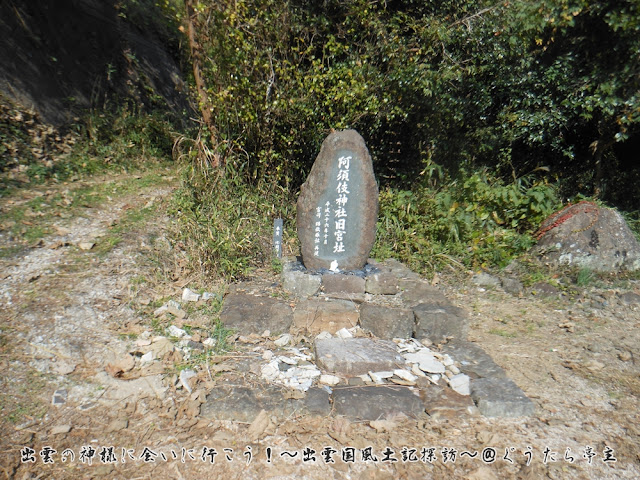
x,y
83,267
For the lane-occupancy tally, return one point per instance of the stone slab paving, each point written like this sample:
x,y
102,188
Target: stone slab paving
x,y
243,403
474,361
356,356
301,284
442,402
414,292
376,402
340,283
255,314
383,283
500,397
387,322
357,298
437,322
362,377
318,401
317,315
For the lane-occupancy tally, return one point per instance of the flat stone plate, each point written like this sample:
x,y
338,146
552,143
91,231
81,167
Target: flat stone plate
x,y
254,314
357,356
376,402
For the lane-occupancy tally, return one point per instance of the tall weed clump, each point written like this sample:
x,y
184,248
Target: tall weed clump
x,y
225,223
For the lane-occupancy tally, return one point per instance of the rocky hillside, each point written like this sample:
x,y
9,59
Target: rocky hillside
x,y
61,57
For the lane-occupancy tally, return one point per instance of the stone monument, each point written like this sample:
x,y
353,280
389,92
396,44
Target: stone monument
x,y
338,205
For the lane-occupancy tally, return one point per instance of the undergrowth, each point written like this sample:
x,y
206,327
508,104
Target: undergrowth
x,y
32,152
225,223
473,220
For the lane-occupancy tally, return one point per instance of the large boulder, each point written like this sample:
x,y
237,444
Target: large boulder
x,y
588,236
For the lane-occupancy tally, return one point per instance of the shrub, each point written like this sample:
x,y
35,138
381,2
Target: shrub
x,y
476,219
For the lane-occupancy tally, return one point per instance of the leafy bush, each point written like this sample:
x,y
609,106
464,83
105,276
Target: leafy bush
x,y
475,219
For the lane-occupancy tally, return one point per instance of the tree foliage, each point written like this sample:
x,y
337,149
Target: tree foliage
x,y
513,85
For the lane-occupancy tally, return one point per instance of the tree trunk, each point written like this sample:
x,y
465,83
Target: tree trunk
x,y
598,148
205,106
597,178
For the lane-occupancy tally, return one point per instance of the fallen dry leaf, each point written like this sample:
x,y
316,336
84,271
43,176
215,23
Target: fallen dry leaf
x,y
293,395
118,368
259,426
382,425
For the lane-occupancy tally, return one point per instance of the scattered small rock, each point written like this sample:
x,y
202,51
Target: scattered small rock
x,y
184,377
485,280
176,332
512,285
344,333
426,361
405,375
146,358
189,295
460,384
284,339
176,312
86,245
206,296
329,380
59,397
60,429
379,377
209,342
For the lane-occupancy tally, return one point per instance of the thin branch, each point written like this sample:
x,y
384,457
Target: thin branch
x,y
468,18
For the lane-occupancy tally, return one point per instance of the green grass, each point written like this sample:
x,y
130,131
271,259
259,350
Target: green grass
x,y
6,252
584,277
220,334
24,402
127,336
502,333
